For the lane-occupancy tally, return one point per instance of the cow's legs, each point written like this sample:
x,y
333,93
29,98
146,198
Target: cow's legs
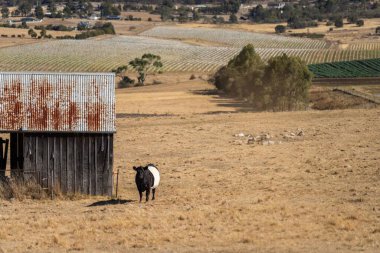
x,y
147,194
140,196
153,192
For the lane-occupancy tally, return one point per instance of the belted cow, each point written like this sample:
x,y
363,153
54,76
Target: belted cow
x,y
147,178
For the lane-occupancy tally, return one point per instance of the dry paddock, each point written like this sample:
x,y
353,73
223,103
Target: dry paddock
x,y
315,193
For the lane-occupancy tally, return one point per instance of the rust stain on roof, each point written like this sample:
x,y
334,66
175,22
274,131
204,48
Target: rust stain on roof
x,y
64,102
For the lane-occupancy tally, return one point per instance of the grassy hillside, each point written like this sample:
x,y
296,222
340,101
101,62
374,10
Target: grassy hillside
x,y
360,68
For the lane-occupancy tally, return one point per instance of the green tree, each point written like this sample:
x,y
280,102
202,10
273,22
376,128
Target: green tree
x,y
146,62
39,12
30,31
287,81
107,8
43,33
281,85
360,22
338,22
5,12
195,16
231,6
51,7
25,8
165,13
352,19
280,29
125,81
67,11
183,16
241,77
120,71
233,19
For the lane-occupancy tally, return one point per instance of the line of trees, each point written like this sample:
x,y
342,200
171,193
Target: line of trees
x,y
303,14
281,84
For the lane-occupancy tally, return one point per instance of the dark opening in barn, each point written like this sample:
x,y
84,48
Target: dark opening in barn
x,y
61,128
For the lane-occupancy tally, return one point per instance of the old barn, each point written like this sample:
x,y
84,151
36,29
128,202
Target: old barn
x,y
60,129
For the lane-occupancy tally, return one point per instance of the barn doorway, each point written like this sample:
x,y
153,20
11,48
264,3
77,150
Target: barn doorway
x,y
4,147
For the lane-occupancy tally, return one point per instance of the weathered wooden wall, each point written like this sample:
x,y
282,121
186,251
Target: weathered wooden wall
x,y
74,163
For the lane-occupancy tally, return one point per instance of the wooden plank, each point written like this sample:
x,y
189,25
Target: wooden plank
x,y
20,149
70,166
79,163
41,160
96,154
85,164
6,153
56,162
37,160
75,163
110,180
1,156
13,154
48,162
32,156
26,154
91,164
100,163
63,157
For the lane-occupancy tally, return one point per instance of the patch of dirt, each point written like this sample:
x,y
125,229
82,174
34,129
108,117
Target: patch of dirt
x,y
329,99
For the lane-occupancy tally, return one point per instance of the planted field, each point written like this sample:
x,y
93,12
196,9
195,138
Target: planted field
x,y
235,38
106,54
347,69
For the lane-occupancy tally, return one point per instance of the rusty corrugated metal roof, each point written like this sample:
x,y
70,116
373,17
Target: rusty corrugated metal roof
x,y
57,102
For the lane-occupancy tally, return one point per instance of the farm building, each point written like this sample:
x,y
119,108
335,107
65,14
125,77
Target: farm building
x,y
61,128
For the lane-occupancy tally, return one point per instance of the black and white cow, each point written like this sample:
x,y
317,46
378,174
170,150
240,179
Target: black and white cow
x,y
147,178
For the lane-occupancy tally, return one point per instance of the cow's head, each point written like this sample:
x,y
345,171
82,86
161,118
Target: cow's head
x,y
140,171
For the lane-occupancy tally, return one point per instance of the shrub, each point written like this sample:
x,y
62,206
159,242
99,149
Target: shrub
x,y
338,22
280,29
192,77
360,22
126,82
150,19
233,19
352,19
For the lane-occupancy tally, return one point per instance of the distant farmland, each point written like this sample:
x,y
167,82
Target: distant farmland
x,y
177,56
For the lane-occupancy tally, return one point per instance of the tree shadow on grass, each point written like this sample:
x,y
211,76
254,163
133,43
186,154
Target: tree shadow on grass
x,y
223,100
111,202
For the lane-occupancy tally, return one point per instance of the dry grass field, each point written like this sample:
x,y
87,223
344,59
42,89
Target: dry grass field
x,y
348,33
17,31
11,42
318,192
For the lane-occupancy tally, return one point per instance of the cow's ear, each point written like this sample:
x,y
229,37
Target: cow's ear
x,y
135,168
